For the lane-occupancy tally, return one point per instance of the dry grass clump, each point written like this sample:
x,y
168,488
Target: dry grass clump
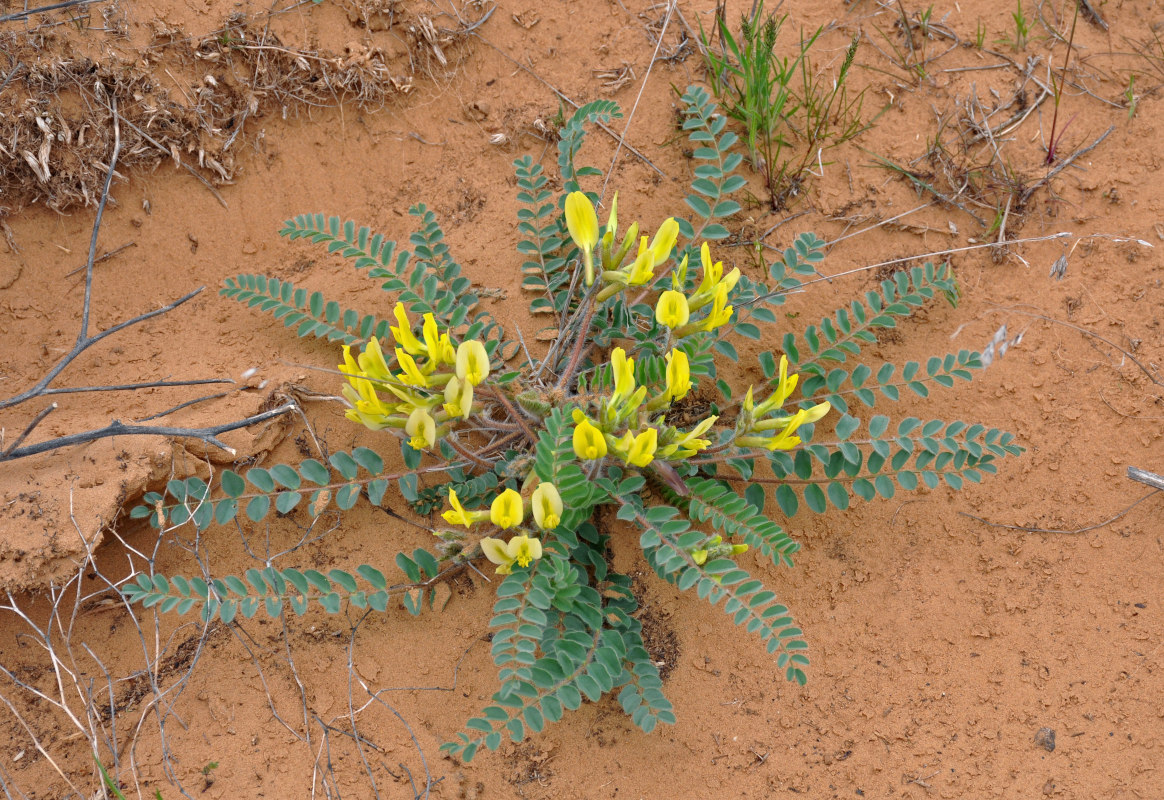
x,y
55,122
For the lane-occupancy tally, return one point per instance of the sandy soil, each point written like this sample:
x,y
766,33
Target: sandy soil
x,y
945,644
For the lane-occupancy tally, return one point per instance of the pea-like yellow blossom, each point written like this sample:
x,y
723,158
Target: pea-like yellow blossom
x,y
589,443
371,361
458,515
713,278
458,398
642,271
785,385
664,241
582,222
351,369
691,442
410,374
721,312
547,506
786,439
817,412
422,428
678,375
472,362
624,376
367,407
521,550
672,309
402,332
612,220
507,510
805,416
638,450
436,344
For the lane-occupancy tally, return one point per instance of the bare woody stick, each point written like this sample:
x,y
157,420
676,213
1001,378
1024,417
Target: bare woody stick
x,y
1143,476
118,428
84,340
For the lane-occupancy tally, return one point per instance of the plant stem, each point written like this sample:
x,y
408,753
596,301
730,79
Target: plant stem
x,y
514,414
580,345
1059,89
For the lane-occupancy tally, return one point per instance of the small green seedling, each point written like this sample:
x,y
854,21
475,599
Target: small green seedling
x,y
1130,98
759,88
1022,30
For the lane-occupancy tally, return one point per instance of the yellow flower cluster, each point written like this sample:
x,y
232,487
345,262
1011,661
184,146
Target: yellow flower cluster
x,y
582,223
508,511
752,419
433,382
642,440
674,309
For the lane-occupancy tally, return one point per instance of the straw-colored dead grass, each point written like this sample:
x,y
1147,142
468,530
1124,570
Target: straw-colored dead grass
x,y
55,122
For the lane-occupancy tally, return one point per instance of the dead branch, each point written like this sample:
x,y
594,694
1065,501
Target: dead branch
x,y
28,12
1066,163
118,428
1084,529
1143,476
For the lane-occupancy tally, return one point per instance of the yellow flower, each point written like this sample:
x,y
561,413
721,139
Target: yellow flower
x,y
507,510
809,415
628,241
690,443
612,220
472,362
720,311
639,451
713,278
351,369
784,388
368,409
436,344
678,375
403,334
731,279
589,443
624,376
784,440
411,376
547,506
664,241
372,362
672,309
458,515
521,550
409,399
582,223
422,428
643,269
629,406
458,398
816,412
